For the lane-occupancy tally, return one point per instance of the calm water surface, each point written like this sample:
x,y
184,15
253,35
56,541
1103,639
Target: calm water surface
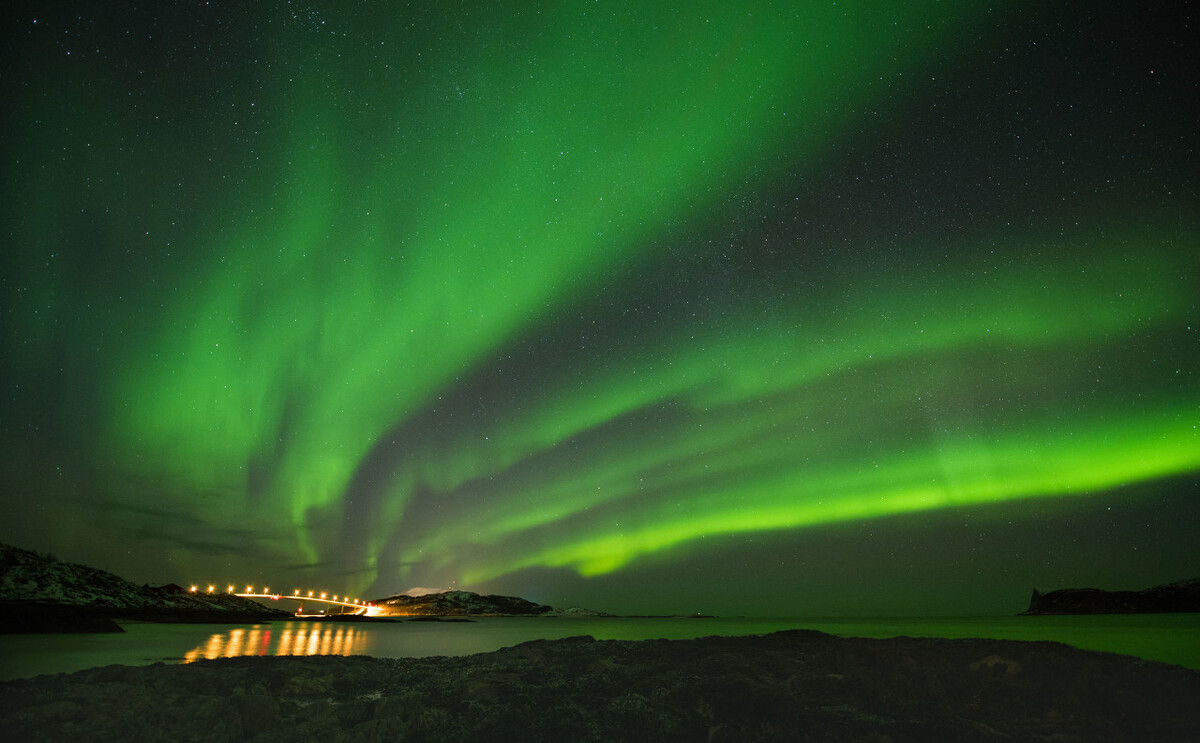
x,y
1172,638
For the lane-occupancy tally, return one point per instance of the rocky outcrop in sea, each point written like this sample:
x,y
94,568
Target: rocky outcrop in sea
x,y
788,686
1181,596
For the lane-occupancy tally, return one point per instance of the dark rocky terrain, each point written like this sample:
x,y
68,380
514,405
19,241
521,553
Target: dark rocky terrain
x,y
39,593
788,686
1181,596
460,604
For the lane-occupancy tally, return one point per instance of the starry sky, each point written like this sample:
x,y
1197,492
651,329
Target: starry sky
x,y
766,308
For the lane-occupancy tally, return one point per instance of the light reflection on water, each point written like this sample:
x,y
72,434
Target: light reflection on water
x,y
294,638
1172,638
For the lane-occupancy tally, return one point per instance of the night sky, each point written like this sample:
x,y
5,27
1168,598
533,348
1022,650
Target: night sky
x,y
794,308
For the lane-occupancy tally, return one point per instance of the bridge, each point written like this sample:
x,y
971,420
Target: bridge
x,y
319,597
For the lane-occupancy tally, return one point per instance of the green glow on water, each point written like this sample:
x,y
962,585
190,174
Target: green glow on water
x,y
1168,638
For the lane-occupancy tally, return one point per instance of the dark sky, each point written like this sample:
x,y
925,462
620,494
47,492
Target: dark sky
x,y
745,308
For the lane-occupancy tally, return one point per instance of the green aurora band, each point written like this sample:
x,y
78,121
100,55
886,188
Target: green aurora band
x,y
391,346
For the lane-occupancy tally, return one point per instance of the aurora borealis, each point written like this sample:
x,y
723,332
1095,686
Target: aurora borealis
x,y
785,307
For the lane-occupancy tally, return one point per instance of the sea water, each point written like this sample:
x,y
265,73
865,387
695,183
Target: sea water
x,y
1171,638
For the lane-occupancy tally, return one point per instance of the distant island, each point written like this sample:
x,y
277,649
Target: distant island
x,y
1179,597
469,604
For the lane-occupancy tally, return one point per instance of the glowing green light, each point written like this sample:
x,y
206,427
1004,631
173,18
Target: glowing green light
x,y
327,368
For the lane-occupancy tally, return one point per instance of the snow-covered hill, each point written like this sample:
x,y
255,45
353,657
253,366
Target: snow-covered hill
x,y
425,602
28,578
458,604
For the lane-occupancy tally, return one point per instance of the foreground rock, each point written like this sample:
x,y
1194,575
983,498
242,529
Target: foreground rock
x,y
39,593
1181,596
796,685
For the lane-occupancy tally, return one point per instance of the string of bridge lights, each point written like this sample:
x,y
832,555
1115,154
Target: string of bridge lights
x,y
297,594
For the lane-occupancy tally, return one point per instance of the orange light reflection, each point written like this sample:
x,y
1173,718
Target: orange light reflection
x,y
302,638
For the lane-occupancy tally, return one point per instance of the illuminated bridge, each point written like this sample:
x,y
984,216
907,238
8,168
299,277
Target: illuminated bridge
x,y
319,597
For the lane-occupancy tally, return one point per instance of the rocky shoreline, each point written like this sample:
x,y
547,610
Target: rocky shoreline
x,y
21,618
30,617
794,685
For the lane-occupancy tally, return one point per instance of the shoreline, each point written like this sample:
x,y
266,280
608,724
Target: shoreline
x,y
43,618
